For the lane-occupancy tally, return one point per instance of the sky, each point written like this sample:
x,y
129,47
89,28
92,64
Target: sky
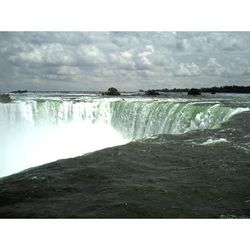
x,y
85,61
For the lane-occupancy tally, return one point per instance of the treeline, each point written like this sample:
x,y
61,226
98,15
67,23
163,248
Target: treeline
x,y
213,90
227,89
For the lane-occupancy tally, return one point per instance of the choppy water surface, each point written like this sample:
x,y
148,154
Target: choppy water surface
x,y
184,157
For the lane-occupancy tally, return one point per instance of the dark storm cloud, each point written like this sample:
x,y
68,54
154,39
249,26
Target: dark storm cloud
x,y
127,60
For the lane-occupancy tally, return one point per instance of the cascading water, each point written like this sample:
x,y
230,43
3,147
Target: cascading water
x,y
140,119
38,131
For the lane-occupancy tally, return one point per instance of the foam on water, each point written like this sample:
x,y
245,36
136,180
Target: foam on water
x,y
214,141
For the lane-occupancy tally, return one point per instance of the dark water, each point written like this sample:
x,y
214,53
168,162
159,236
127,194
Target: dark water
x,y
200,173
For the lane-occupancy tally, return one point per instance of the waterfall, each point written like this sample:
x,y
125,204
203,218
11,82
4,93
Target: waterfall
x,y
140,119
38,131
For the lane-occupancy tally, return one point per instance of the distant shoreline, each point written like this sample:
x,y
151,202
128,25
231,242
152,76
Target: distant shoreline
x,y
223,89
213,90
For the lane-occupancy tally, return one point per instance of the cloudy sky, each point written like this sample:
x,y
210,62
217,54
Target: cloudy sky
x,y
126,60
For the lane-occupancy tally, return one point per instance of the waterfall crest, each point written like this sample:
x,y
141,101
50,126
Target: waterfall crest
x,y
34,132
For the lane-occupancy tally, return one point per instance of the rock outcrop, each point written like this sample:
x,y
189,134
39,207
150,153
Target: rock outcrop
x,y
5,98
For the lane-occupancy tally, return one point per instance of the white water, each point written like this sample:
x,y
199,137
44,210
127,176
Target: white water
x,y
35,132
32,135
214,141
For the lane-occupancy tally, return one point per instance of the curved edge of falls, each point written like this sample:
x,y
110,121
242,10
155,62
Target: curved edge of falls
x,y
34,132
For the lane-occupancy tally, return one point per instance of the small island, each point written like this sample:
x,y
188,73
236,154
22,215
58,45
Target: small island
x,y
19,91
194,92
152,92
112,91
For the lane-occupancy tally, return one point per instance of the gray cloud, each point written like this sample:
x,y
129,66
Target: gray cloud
x,y
126,60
